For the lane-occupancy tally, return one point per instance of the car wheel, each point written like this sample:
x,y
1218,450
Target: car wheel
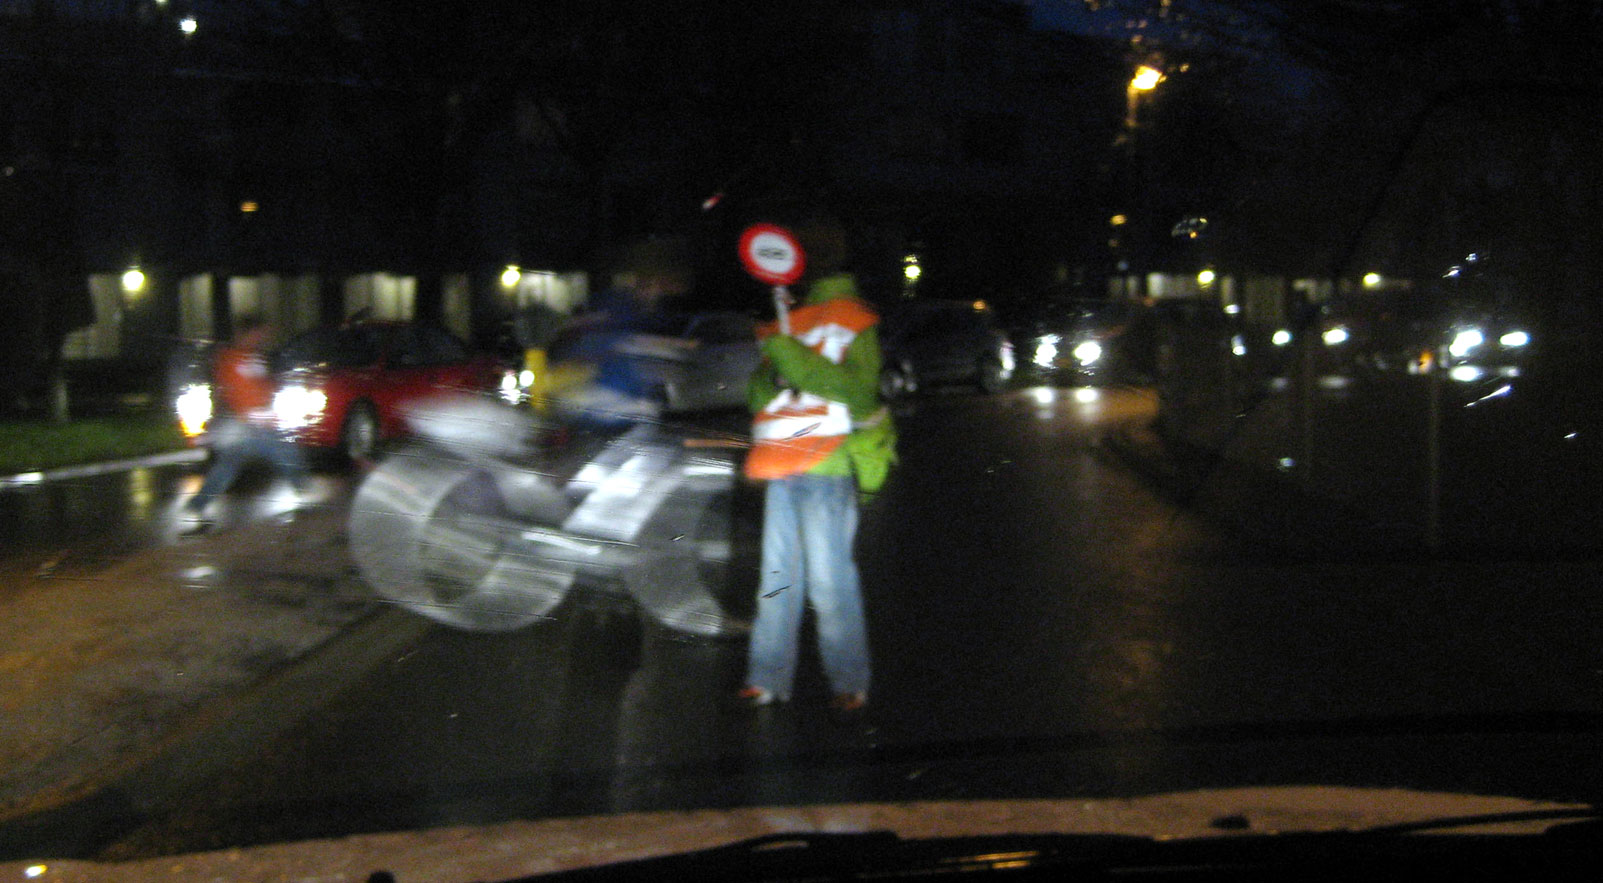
x,y
360,437
991,376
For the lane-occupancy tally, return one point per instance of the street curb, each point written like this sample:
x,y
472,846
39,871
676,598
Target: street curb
x,y
212,738
34,479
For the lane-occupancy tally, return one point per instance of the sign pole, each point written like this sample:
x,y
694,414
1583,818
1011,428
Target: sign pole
x,y
782,308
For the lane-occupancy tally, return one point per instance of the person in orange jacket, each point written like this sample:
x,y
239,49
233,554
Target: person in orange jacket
x,y
809,394
247,429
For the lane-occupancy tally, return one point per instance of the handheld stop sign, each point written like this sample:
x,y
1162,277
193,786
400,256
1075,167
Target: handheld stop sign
x,y
771,254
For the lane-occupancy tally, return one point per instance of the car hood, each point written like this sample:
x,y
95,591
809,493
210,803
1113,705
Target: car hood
x,y
507,851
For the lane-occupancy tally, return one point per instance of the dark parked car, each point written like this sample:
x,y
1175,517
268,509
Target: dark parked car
x,y
712,374
932,342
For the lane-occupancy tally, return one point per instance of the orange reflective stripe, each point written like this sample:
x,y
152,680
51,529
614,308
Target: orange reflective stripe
x,y
782,459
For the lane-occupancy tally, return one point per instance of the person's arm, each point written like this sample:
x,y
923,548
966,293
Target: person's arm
x,y
762,387
855,381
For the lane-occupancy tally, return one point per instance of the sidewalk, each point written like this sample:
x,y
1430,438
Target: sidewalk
x,y
142,677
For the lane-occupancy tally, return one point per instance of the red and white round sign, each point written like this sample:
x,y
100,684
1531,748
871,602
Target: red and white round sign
x,y
771,254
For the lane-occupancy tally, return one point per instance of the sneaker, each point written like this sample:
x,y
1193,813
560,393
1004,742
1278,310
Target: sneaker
x,y
756,697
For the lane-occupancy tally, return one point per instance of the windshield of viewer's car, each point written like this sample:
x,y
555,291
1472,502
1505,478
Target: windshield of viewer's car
x,y
891,402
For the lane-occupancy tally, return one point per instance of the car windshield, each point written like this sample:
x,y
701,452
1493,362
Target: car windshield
x,y
353,347
901,404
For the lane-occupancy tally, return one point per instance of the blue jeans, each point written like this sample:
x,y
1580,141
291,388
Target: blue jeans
x,y
809,525
239,444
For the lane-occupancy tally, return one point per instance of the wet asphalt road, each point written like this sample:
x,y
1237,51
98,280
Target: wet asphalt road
x,y
1044,622
83,524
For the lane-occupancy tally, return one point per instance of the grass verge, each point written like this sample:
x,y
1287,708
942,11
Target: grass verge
x,y
33,446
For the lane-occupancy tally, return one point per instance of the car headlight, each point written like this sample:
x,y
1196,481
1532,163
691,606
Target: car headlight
x,y
1046,350
194,406
295,405
515,386
1088,353
1465,341
1336,336
1515,339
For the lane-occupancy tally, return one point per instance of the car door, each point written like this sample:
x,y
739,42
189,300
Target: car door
x,y
408,374
452,366
718,367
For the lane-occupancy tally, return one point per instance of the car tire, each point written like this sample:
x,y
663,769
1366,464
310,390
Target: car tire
x,y
359,438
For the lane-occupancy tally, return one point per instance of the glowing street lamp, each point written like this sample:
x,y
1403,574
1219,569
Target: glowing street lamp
x,y
133,280
1146,79
511,276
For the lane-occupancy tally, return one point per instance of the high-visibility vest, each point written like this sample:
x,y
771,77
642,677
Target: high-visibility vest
x,y
798,430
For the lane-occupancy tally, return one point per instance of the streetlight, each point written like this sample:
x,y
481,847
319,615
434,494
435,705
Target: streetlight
x,y
133,281
511,276
1146,79
911,272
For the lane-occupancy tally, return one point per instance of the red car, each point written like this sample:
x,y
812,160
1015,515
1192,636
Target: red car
x,y
344,388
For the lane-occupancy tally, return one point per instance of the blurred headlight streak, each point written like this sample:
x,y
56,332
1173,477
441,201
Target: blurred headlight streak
x,y
296,405
510,392
1498,393
194,406
1046,351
